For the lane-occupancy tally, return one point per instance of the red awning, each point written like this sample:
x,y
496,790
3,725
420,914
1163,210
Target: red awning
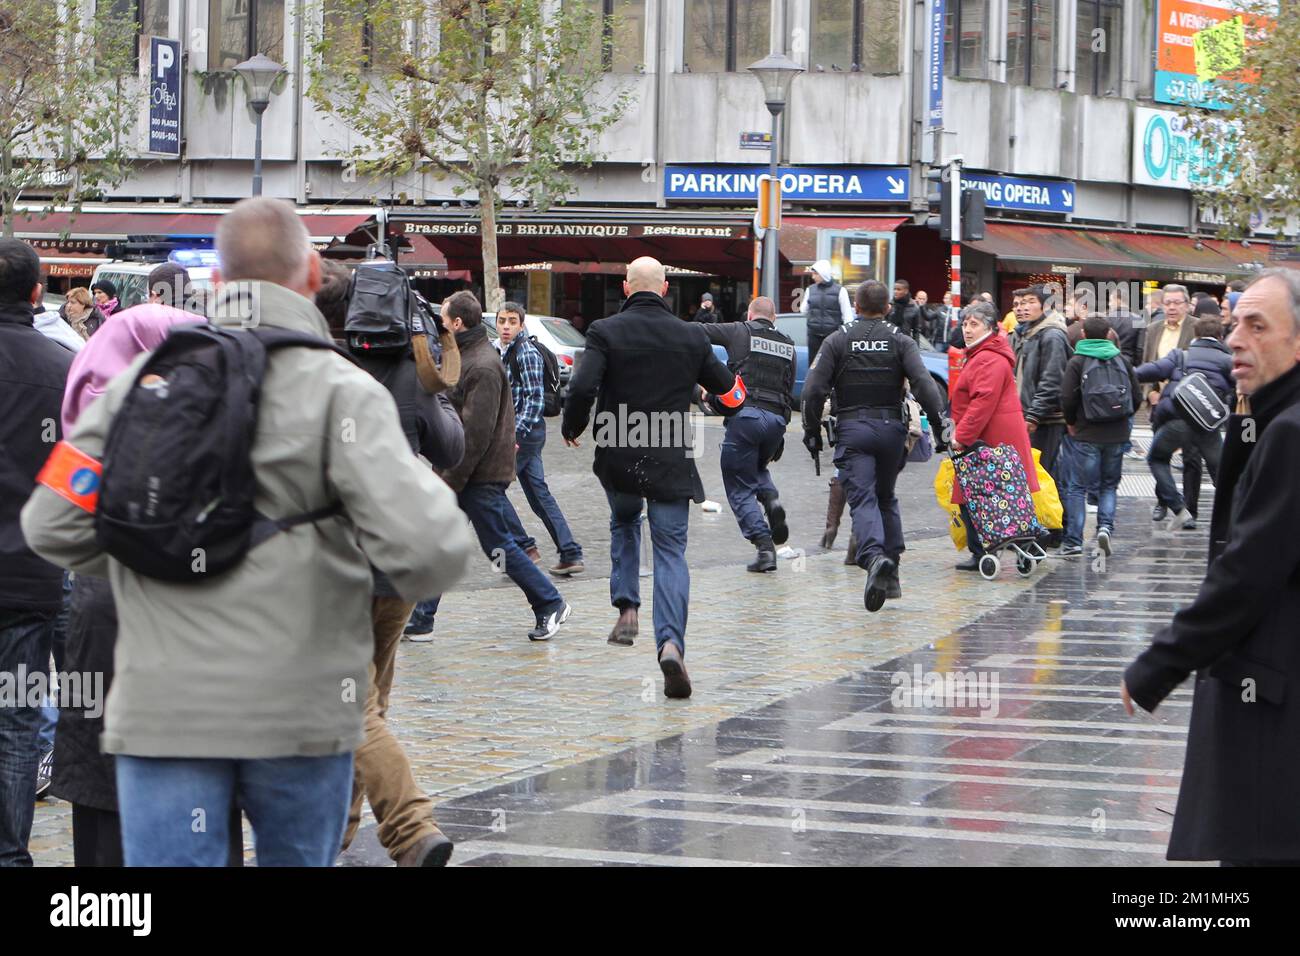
x,y
118,225
861,223
1119,255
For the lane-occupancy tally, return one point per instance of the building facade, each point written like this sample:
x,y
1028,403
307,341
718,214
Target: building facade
x,y
1052,104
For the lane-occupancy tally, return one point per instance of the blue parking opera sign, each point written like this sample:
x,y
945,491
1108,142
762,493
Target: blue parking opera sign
x,y
798,183
164,96
1016,192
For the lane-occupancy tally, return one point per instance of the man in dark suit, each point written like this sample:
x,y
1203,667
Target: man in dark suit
x,y
1241,782
645,364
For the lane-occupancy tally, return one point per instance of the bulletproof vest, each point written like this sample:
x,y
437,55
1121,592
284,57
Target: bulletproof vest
x,y
872,373
765,368
824,315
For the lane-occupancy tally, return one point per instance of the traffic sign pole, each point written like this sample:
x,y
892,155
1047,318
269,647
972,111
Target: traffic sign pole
x,y
954,183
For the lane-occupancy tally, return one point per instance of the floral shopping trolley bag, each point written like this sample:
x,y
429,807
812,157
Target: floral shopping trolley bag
x,y
997,493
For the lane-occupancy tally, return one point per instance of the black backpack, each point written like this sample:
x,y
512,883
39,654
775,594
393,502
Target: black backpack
x,y
176,501
380,308
551,406
1105,391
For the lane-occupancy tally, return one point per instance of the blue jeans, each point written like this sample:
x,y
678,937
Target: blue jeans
x,y
177,811
672,590
485,504
532,479
753,436
25,644
1091,465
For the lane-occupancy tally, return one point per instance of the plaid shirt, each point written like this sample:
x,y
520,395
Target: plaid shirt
x,y
525,389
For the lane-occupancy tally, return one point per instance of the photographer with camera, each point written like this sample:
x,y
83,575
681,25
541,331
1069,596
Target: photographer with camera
x,y
381,771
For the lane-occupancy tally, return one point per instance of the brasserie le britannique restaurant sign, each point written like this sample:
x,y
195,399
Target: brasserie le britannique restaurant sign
x,y
579,230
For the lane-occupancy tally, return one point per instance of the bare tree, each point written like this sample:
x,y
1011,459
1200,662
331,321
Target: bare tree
x,y
499,96
66,110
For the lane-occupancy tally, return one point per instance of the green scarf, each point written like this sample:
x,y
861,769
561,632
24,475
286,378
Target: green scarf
x,y
1097,348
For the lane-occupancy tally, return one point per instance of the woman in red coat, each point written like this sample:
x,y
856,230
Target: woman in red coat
x,y
986,406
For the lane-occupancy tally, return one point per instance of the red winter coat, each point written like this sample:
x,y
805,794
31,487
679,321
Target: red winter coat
x,y
986,407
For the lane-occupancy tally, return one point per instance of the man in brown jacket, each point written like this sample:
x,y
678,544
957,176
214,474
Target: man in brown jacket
x,y
482,397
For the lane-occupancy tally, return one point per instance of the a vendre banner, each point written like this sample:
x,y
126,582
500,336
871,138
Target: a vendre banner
x,y
1197,41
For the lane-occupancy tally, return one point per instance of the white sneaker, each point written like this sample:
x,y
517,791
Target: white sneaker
x,y
1181,521
710,507
549,624
1103,542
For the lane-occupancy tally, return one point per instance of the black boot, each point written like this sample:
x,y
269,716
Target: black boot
x,y
893,586
878,573
765,560
776,519
834,512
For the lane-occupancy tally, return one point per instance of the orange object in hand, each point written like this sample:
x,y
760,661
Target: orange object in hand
x,y
74,475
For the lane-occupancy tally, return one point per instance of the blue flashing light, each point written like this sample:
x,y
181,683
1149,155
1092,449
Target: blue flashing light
x,y
190,258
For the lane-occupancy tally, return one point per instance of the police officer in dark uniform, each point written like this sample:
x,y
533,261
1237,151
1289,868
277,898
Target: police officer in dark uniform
x,y
764,358
866,365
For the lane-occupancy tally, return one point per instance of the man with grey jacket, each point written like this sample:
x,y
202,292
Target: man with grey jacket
x,y
251,687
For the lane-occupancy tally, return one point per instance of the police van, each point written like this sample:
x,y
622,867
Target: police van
x,y
130,273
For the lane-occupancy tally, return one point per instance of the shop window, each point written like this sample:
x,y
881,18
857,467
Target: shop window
x,y
618,33
855,35
1031,59
965,27
375,43
1099,47
726,35
238,29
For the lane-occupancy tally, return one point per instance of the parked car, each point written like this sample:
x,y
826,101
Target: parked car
x,y
558,335
795,325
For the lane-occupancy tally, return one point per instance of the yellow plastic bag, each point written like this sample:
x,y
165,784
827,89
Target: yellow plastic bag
x,y
1047,502
943,493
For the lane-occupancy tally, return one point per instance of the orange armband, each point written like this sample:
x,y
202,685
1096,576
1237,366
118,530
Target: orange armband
x,y
73,475
736,396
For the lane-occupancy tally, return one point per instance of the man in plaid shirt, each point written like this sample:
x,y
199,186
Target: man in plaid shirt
x,y
525,370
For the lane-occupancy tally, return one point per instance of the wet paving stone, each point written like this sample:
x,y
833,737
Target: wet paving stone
x,y
796,748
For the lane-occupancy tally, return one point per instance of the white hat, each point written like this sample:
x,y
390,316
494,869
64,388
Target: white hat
x,y
823,268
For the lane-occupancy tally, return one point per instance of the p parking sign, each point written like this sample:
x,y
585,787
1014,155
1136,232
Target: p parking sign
x,y
164,96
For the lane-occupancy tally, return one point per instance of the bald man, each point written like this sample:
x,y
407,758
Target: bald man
x,y
644,364
764,357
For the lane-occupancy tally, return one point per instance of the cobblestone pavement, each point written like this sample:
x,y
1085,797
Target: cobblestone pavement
x,y
791,751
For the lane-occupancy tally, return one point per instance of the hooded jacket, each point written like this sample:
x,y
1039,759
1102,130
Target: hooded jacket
x,y
1100,433
985,406
270,659
1042,349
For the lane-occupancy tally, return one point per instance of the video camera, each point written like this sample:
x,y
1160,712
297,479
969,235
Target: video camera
x,y
387,317
384,312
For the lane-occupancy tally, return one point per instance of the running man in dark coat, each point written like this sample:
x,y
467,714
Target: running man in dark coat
x,y
644,364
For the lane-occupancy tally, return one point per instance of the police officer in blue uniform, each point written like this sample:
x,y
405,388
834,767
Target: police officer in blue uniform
x,y
764,358
865,366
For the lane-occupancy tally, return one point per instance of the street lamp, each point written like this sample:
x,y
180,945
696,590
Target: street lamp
x,y
259,74
776,72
